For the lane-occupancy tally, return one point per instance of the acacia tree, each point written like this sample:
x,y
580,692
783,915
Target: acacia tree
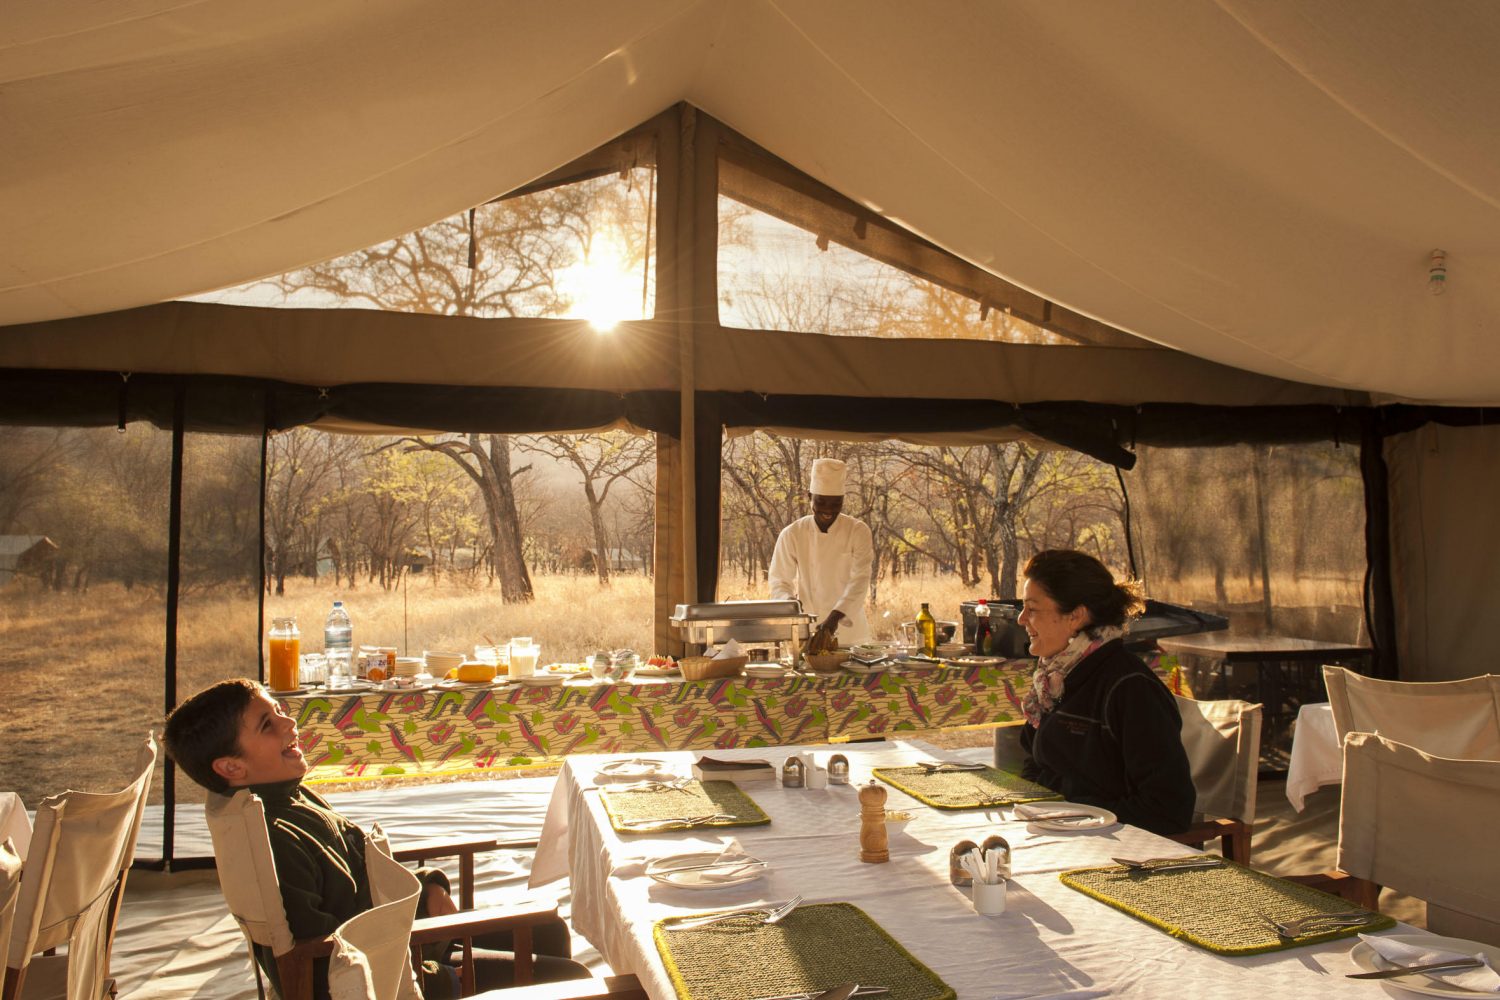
x,y
500,259
601,460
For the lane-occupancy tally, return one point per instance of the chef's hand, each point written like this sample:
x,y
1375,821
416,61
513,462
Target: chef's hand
x,y
825,639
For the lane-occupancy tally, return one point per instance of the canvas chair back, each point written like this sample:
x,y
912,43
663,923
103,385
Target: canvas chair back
x,y
1424,825
1457,719
370,949
10,886
82,844
237,826
1222,740
370,959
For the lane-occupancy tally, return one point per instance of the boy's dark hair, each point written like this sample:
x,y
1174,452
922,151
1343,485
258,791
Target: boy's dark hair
x,y
207,727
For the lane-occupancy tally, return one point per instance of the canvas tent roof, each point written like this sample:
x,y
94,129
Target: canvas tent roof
x,y
1258,183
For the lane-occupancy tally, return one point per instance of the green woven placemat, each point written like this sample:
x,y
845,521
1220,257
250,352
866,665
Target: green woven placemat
x,y
818,946
964,789
1226,909
695,798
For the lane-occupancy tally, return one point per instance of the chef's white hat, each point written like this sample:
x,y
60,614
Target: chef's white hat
x,y
827,478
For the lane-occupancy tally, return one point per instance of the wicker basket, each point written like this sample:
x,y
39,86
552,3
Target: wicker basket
x,y
826,663
703,668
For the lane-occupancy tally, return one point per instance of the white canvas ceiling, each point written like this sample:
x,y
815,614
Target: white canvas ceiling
x,y
1256,182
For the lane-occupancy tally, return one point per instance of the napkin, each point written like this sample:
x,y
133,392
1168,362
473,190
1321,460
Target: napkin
x,y
728,650
1401,952
1047,810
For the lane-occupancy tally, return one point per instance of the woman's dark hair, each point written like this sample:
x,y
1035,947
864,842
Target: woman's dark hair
x,y
1075,578
207,727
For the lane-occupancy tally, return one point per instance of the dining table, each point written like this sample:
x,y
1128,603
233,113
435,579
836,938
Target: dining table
x,y
1052,940
1317,759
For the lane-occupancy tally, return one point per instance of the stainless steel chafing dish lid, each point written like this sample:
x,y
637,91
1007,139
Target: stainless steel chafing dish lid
x,y
746,621
736,612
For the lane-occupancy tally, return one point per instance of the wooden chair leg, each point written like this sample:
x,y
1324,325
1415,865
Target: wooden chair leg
x,y
14,978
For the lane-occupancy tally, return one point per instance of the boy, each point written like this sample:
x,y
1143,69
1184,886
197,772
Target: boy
x,y
233,735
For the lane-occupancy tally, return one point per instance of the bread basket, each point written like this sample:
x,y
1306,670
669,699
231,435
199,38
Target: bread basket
x,y
703,668
826,663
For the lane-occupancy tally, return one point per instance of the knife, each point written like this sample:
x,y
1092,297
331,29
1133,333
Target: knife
x,y
1454,965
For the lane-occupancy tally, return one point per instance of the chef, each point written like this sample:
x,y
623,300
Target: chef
x,y
824,561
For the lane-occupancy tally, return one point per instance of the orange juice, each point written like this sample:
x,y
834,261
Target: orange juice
x,y
286,649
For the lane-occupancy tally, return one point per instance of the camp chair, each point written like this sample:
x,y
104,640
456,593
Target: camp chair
x,y
237,825
1424,825
1222,740
10,887
369,956
1455,719
72,881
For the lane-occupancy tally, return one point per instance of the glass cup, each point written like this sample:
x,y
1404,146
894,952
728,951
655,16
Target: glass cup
x,y
523,656
312,669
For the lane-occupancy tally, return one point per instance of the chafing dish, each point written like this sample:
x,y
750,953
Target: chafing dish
x,y
745,622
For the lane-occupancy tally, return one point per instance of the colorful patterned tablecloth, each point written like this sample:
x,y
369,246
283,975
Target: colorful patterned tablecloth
x,y
386,733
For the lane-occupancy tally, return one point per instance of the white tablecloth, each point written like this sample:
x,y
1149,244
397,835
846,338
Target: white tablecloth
x,y
14,823
1051,942
1317,758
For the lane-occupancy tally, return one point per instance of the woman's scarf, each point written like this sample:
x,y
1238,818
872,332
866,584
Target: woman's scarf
x,y
1047,680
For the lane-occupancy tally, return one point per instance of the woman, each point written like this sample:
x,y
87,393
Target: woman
x,y
1101,727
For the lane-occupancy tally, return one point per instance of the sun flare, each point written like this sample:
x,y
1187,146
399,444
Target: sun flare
x,y
602,288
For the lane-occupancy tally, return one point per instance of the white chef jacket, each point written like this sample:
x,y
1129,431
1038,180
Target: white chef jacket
x,y
827,571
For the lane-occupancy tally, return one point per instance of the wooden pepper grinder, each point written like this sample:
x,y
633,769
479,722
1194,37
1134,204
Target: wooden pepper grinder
x,y
873,845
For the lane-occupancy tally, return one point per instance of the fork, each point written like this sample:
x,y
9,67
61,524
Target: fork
x,y
648,824
1325,921
1168,864
768,915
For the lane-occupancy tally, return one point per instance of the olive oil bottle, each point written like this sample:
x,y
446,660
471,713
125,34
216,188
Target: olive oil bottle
x,y
927,631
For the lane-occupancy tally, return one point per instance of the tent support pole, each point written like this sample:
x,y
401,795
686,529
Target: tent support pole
x,y
1380,606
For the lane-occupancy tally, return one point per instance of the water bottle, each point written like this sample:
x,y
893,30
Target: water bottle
x,y
984,636
338,645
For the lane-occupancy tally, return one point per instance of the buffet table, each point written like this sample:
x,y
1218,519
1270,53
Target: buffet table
x,y
447,729
1053,941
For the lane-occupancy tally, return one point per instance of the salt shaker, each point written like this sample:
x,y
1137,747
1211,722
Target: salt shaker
x,y
838,769
874,845
957,874
792,772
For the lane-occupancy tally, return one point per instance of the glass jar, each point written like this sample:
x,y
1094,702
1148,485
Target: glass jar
x,y
523,656
838,769
284,662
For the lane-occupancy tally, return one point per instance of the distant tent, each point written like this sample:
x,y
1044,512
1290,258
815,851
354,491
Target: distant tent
x,y
620,560
25,554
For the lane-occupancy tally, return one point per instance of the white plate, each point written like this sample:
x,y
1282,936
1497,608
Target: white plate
x,y
293,693
1098,817
644,671
769,671
541,680
855,667
1369,960
632,770
717,878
